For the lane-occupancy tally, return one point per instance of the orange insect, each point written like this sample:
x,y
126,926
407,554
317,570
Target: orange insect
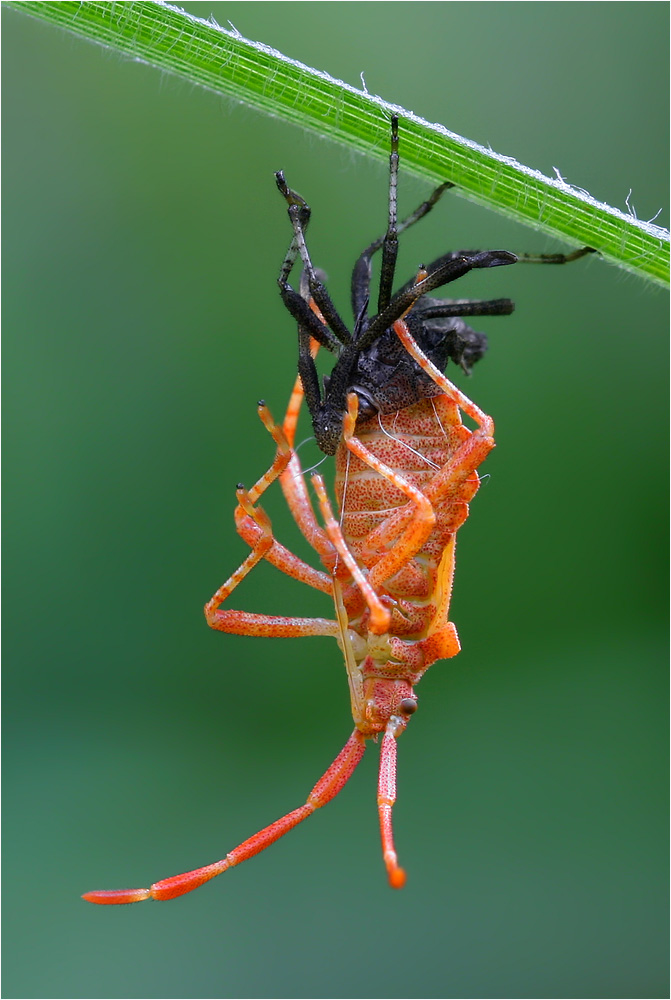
x,y
405,473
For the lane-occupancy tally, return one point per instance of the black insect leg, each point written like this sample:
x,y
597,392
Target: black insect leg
x,y
449,269
305,317
292,252
446,308
390,240
439,263
361,273
554,258
308,372
297,215
362,269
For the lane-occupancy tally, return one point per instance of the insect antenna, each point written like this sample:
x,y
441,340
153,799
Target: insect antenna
x,y
386,797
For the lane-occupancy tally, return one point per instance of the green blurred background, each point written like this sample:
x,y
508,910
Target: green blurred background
x,y
143,236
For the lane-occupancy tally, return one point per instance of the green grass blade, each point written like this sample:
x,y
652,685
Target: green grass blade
x,y
225,62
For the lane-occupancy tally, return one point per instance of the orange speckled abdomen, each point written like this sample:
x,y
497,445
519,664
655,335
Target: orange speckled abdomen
x,y
416,442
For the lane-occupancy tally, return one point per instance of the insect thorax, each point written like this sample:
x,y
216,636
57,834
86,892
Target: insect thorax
x,y
387,379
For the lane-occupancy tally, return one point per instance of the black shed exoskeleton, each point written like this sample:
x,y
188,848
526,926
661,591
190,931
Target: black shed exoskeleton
x,y
370,360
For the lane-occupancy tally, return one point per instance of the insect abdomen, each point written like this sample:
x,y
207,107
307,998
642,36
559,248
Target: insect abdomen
x,y
415,443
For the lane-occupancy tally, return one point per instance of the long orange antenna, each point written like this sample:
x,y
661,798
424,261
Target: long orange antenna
x,y
386,796
326,789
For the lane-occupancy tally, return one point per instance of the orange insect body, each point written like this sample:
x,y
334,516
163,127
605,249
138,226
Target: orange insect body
x,y
420,440
405,473
403,492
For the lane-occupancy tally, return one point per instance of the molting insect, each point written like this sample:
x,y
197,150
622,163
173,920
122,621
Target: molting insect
x,y
405,472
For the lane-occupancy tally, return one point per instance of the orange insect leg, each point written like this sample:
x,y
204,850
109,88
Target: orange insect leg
x,y
380,617
326,789
252,528
484,422
292,480
254,525
281,557
245,622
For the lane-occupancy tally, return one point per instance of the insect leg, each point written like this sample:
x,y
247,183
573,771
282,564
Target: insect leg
x,y
441,264
292,479
380,616
554,258
390,240
281,557
446,308
255,527
447,269
362,269
298,217
326,789
247,623
484,422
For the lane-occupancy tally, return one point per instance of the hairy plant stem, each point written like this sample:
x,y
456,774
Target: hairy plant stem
x,y
223,61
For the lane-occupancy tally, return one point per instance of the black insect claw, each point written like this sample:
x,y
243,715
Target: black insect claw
x,y
493,258
292,198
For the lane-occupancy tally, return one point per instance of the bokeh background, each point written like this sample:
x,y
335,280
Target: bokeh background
x,y
143,235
